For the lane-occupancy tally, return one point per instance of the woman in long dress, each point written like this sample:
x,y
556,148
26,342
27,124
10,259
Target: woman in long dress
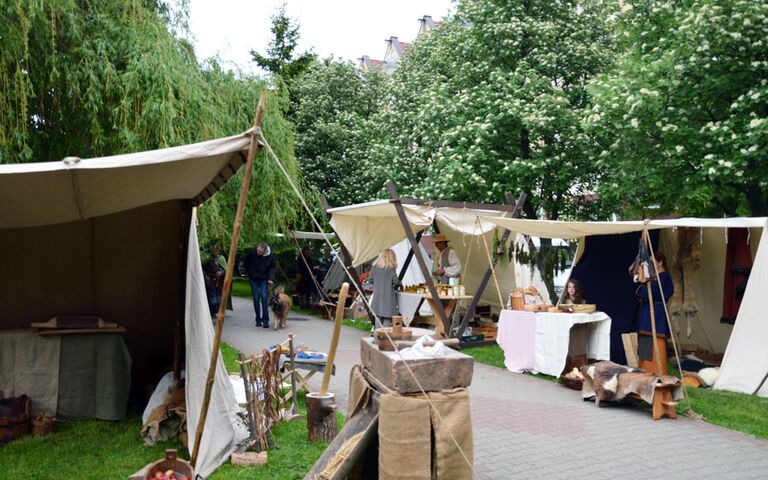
x,y
383,278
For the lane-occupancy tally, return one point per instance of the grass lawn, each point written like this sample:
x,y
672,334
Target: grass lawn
x,y
95,449
241,287
732,410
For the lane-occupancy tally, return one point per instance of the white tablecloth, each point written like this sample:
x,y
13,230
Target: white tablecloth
x,y
540,342
408,302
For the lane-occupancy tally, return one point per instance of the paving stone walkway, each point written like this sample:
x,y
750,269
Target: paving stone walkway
x,y
528,428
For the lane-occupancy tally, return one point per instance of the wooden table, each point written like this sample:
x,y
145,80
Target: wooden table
x,y
450,303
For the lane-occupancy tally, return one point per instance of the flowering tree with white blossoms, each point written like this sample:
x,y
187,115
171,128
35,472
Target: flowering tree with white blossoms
x,y
681,123
492,102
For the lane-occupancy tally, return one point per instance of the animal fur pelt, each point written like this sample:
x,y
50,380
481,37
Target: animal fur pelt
x,y
608,381
280,304
684,263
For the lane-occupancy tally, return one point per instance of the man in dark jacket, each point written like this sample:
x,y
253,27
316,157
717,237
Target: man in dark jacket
x,y
260,267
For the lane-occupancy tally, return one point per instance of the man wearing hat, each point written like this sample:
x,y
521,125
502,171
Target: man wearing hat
x,y
445,264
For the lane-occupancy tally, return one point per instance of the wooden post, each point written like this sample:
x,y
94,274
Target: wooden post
x,y
321,406
335,338
517,209
292,353
185,222
252,148
440,310
346,258
408,259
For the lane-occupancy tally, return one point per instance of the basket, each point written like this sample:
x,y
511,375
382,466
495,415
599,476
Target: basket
x,y
171,462
572,382
14,418
517,299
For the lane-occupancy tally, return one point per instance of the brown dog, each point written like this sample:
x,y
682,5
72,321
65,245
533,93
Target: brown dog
x,y
280,304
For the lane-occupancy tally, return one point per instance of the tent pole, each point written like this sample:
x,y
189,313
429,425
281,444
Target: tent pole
x,y
408,259
394,198
252,148
346,257
765,377
517,207
185,225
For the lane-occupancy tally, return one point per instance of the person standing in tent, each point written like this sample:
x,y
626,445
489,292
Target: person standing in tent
x,y
260,267
383,279
445,263
213,276
645,340
307,269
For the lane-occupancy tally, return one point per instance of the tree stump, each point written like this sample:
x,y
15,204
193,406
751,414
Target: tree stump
x,y
321,417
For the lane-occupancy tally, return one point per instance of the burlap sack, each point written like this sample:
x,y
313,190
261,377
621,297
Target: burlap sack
x,y
404,438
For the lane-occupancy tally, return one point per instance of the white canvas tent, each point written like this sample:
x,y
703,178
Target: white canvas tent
x,y
369,228
746,347
114,237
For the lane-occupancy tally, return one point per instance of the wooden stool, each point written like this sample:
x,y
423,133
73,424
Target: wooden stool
x,y
663,404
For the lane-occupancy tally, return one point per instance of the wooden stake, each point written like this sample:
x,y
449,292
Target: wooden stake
x,y
247,386
252,148
335,338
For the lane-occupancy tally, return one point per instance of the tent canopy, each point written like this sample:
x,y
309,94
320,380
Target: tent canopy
x,y
37,194
369,228
746,343
114,237
561,229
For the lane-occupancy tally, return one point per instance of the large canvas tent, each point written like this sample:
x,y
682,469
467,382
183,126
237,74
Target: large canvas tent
x,y
745,344
115,237
367,229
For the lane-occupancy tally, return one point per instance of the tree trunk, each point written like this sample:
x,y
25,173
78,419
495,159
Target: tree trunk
x,y
756,200
321,417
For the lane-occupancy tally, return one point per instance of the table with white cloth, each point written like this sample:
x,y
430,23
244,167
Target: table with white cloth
x,y
410,305
540,342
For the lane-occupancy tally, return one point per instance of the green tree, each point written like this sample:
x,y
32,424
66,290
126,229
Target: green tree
x,y
680,125
491,102
107,77
336,104
281,58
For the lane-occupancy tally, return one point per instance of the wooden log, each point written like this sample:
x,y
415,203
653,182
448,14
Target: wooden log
x,y
448,342
249,459
321,417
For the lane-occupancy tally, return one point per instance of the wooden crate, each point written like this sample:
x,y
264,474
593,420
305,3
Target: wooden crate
x,y
14,418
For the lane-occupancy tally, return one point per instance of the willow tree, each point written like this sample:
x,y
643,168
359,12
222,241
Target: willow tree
x,y
107,77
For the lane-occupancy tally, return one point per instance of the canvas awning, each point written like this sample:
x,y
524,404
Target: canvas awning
x,y
368,228
78,189
562,229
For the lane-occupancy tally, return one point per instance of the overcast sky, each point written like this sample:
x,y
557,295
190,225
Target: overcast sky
x,y
346,29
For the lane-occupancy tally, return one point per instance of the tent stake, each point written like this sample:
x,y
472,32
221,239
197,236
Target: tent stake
x,y
252,148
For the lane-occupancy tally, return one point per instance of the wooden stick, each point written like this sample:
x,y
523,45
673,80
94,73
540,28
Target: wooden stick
x,y
292,353
246,385
439,309
335,339
252,148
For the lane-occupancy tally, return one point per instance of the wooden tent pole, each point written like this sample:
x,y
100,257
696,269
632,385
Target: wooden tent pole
x,y
252,148
394,198
407,262
652,308
517,209
346,258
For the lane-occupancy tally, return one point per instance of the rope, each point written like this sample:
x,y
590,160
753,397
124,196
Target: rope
x,y
357,287
689,409
314,279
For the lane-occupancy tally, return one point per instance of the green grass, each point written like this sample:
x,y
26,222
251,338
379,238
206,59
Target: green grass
x,y
96,450
732,410
360,323
241,287
229,355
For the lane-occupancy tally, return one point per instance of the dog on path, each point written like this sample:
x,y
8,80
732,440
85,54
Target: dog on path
x,y
280,304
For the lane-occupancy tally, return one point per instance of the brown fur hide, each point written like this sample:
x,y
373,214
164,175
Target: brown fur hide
x,y
682,267
608,381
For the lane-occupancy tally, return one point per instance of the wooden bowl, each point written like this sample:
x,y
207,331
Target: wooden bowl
x,y
572,382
